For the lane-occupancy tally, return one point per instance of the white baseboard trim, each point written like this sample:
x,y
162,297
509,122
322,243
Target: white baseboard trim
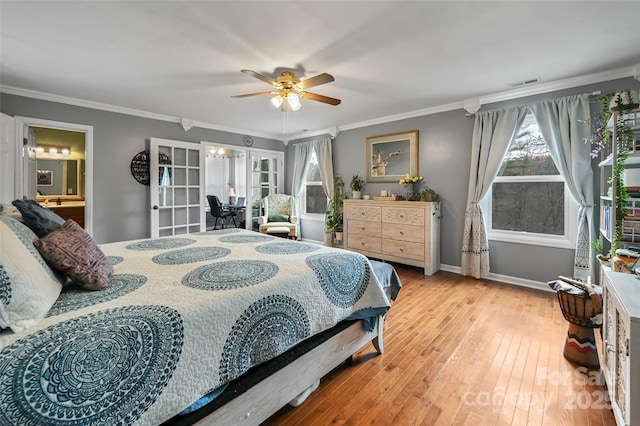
x,y
522,282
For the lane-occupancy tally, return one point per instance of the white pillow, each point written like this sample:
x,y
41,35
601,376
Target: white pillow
x,y
28,285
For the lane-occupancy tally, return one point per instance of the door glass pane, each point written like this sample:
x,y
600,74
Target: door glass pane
x,y
194,196
166,196
194,177
166,217
180,196
194,158
180,178
180,216
179,157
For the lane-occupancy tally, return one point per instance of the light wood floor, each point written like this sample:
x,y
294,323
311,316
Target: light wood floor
x,y
460,351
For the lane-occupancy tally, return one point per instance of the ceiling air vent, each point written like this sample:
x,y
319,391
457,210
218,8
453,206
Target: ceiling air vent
x,y
525,82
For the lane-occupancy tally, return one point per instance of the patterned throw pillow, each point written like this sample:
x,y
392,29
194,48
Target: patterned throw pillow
x,y
28,285
40,220
71,250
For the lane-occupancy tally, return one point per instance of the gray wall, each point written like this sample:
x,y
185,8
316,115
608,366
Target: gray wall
x,y
121,204
444,159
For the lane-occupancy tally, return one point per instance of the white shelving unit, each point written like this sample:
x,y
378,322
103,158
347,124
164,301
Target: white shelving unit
x,y
631,223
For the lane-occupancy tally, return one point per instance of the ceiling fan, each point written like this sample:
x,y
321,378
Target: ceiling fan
x,y
290,88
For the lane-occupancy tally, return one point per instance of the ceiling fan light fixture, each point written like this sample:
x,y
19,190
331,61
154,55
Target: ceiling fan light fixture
x,y
294,101
277,101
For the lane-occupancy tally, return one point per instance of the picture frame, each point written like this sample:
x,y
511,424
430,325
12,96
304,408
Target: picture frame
x,y
390,157
44,178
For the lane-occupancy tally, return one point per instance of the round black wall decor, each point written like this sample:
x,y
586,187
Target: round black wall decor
x,y
140,166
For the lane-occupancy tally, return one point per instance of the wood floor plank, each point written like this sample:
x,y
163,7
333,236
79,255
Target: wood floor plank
x,y
460,351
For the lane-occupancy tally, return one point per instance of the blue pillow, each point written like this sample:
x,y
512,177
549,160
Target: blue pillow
x,y
40,220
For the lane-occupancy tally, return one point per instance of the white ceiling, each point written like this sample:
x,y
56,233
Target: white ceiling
x,y
183,59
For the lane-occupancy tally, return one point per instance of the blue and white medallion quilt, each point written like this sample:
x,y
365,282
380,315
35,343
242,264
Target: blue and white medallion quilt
x,y
181,317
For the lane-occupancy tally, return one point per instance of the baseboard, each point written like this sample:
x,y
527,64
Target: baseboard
x,y
522,282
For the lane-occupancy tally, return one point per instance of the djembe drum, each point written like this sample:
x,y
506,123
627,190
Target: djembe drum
x,y
581,305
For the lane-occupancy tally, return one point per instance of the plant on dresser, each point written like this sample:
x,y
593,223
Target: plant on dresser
x,y
406,232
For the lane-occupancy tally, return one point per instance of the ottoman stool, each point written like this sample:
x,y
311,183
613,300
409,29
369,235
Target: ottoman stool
x,y
278,231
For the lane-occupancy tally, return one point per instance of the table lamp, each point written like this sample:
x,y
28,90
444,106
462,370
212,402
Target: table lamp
x,y
231,193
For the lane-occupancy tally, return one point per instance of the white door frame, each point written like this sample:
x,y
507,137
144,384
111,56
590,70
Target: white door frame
x,y
155,144
248,178
21,122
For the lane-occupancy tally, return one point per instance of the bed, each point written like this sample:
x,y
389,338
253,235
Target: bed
x,y
180,318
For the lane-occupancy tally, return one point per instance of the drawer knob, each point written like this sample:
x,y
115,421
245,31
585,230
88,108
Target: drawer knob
x,y
363,228
401,216
401,250
401,232
362,243
362,213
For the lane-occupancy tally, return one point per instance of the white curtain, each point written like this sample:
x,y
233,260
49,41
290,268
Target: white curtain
x,y
301,157
562,123
325,163
493,131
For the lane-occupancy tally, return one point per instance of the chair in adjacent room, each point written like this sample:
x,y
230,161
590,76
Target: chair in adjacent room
x,y
219,212
278,214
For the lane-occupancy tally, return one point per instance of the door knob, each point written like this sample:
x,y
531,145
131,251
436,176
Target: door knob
x,y
155,207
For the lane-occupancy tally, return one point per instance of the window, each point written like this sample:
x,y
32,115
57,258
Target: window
x,y
314,200
528,201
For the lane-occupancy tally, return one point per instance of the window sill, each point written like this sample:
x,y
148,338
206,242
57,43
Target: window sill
x,y
313,217
533,240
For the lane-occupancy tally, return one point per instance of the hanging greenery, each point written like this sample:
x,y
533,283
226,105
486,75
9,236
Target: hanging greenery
x,y
602,143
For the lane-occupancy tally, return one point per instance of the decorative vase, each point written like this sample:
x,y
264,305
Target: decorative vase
x,y
328,238
411,194
357,195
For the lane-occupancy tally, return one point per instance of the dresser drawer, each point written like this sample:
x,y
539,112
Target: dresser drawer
x,y
408,215
368,213
398,231
361,242
404,249
363,227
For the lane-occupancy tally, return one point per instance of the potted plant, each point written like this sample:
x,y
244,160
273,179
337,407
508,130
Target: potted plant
x,y
356,186
334,213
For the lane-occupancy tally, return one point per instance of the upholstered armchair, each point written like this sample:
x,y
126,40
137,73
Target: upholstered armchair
x,y
278,213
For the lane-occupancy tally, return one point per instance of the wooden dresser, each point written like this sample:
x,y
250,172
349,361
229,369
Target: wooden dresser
x,y
405,232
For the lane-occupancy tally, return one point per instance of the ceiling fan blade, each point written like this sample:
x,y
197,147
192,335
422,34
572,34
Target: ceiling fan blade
x,y
264,78
315,81
321,98
255,94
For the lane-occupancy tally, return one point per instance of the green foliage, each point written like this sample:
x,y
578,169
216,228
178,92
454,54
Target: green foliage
x,y
601,253
334,218
602,141
356,183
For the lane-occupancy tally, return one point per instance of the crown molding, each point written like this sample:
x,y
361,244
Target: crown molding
x,y
129,111
568,83
403,116
520,92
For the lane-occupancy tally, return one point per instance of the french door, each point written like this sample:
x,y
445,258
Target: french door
x,y
267,177
177,192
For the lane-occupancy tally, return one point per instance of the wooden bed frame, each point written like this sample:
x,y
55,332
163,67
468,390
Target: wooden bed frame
x,y
267,397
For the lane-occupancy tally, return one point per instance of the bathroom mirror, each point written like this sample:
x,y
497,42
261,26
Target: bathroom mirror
x,y
60,163
60,178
